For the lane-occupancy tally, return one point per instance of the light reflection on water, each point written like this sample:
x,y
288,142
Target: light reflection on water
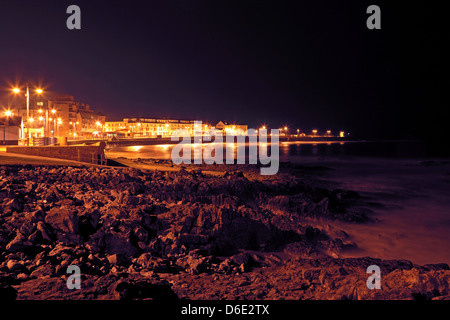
x,y
292,151
288,150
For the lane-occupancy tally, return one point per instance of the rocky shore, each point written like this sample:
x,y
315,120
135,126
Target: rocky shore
x,y
146,234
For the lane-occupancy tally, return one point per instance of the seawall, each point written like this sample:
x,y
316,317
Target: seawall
x,y
94,154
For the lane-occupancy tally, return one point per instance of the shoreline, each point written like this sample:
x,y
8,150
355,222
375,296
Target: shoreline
x,y
222,233
186,230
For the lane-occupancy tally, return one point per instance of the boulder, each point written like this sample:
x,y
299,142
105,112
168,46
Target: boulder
x,y
119,242
19,243
63,219
118,260
150,262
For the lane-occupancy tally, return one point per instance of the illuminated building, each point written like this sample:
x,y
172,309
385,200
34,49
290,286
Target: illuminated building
x,y
150,127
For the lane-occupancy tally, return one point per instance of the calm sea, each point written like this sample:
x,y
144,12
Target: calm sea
x,y
295,151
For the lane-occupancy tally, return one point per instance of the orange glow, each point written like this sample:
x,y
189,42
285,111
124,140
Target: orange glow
x,y
53,111
16,90
39,91
341,134
8,113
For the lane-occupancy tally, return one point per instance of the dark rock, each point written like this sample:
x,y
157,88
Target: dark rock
x,y
62,219
14,265
119,260
137,287
117,242
242,258
19,243
150,262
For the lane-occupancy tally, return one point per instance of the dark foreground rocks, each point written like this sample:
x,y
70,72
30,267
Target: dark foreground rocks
x,y
138,234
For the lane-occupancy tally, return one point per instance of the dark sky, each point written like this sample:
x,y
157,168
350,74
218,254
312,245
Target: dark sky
x,y
306,64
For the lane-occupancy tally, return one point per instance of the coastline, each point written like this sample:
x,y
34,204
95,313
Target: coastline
x,y
182,230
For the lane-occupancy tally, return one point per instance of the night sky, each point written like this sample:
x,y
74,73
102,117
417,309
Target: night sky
x,y
305,64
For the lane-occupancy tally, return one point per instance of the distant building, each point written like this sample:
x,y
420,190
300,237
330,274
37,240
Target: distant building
x,y
59,116
9,130
229,128
151,127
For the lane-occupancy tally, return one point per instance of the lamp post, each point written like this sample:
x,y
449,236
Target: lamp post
x,y
27,95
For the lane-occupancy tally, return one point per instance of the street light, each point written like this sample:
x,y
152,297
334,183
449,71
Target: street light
x,y
38,91
8,113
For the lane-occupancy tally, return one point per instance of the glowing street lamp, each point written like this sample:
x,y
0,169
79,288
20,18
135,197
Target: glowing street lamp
x,y
38,91
8,113
314,131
